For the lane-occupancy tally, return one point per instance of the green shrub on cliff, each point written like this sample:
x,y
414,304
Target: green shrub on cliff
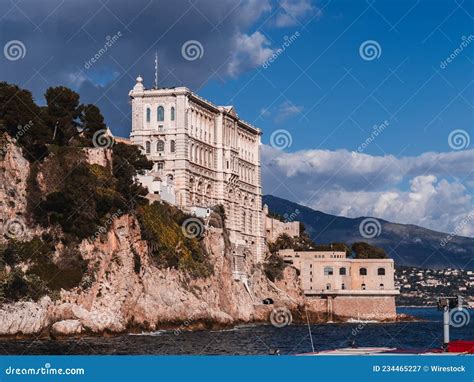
x,y
161,226
34,273
274,267
284,241
83,202
128,161
17,286
364,250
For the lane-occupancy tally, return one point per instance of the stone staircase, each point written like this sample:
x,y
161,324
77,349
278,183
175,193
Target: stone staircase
x,y
240,252
238,262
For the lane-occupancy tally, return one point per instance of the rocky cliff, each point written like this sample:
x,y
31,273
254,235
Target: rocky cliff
x,y
127,297
124,297
123,289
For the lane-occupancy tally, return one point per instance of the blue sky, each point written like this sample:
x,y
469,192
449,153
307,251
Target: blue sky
x,y
411,98
320,93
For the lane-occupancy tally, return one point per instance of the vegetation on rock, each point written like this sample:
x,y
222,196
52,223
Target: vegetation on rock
x,y
364,250
301,243
274,267
33,273
161,226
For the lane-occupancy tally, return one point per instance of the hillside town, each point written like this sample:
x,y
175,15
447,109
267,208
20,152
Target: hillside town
x,y
422,287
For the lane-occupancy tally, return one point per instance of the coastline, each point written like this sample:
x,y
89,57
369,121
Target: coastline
x,y
201,325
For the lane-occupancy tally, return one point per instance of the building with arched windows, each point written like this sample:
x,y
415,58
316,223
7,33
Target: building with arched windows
x,y
363,288
207,153
318,268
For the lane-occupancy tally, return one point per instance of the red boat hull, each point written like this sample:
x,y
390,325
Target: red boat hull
x,y
461,347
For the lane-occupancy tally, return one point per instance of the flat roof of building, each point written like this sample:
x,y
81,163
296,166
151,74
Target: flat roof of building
x,y
197,98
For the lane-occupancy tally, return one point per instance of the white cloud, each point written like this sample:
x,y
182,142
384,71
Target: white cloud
x,y
281,112
286,110
75,79
293,10
249,51
430,190
251,10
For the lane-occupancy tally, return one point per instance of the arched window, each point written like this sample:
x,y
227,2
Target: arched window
x,y
328,286
192,191
160,114
148,114
243,222
381,286
343,286
363,271
172,146
209,194
363,286
342,271
147,147
381,271
199,189
160,145
328,271
172,113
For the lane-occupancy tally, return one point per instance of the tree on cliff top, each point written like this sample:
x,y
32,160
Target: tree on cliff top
x,y
58,123
274,267
62,113
128,161
92,121
22,119
366,251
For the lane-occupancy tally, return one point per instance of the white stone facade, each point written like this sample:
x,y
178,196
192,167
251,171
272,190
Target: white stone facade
x,y
207,153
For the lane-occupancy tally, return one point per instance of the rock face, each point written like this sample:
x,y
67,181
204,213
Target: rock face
x,y
124,297
14,171
100,156
66,328
25,317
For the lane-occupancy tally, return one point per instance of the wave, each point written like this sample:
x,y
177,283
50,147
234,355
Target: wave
x,y
355,321
153,334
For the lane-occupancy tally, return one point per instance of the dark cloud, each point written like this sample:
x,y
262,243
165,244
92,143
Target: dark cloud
x,y
61,38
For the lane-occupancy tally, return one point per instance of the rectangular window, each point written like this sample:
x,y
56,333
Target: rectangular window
x,y
328,271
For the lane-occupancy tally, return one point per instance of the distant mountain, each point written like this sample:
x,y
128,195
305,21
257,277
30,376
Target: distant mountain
x,y
407,244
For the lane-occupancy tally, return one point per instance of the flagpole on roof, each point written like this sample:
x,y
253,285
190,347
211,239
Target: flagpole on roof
x,y
156,70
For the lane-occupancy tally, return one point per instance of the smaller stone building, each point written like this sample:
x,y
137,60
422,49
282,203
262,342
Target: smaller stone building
x,y
275,227
356,288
